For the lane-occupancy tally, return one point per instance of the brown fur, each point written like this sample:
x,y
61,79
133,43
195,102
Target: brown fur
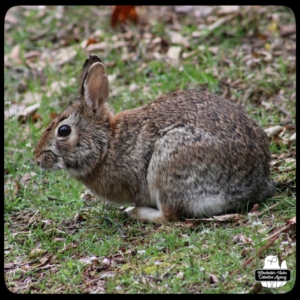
x,y
185,154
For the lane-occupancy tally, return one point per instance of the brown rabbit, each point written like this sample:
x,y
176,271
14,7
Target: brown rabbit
x,y
185,154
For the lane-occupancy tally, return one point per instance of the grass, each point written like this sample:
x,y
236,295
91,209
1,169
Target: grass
x,y
87,246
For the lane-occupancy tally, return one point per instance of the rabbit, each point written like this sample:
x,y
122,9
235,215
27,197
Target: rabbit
x,y
187,154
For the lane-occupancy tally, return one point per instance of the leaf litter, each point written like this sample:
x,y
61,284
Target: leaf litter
x,y
259,48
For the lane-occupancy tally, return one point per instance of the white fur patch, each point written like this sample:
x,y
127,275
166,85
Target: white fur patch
x,y
145,214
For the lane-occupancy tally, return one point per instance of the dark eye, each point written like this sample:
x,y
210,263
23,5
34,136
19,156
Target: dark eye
x,y
64,130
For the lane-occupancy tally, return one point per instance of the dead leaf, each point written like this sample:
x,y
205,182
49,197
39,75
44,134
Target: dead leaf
x,y
25,179
44,260
14,55
292,222
31,97
220,21
272,131
37,252
174,53
286,30
97,47
64,55
226,9
29,111
254,208
32,54
89,260
9,265
10,18
241,239
177,38
14,109
53,115
213,279
122,14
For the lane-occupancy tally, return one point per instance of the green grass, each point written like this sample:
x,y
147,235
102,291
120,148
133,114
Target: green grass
x,y
48,213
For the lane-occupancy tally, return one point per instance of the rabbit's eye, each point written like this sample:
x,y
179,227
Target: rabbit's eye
x,y
64,130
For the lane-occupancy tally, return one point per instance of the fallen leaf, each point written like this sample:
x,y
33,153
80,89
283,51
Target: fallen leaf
x,y
97,47
37,252
272,131
107,275
220,21
177,38
291,221
286,30
121,14
44,260
10,18
9,265
31,97
14,109
89,260
241,239
254,208
64,55
174,52
226,9
32,54
213,279
53,115
14,55
29,111
25,179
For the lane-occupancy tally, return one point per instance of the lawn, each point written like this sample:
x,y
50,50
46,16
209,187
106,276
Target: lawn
x,y
58,238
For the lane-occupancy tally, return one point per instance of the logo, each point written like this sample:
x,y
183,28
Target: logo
x,y
272,275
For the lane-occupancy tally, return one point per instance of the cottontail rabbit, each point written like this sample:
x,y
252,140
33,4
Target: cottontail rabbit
x,y
185,154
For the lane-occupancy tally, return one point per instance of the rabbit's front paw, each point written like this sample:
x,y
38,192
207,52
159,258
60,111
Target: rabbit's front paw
x,y
146,214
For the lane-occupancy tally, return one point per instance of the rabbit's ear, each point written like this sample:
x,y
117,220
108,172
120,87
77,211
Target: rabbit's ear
x,y
96,88
93,58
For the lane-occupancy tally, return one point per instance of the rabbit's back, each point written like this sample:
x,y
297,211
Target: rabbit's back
x,y
210,157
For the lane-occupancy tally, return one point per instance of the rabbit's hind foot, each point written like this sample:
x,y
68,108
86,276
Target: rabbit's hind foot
x,y
146,214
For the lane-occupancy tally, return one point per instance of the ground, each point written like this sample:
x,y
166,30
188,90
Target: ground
x,y
59,238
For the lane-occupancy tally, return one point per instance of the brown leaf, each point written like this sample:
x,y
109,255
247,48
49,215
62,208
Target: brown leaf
x,y
14,109
292,223
286,30
37,252
53,115
35,117
15,54
29,111
272,131
213,279
10,18
254,208
97,47
32,54
9,265
121,14
226,9
25,179
241,239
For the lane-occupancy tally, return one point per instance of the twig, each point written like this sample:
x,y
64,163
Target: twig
x,y
162,276
267,209
20,265
91,281
272,238
278,232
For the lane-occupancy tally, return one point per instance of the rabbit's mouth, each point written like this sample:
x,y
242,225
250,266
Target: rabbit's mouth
x,y
48,160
